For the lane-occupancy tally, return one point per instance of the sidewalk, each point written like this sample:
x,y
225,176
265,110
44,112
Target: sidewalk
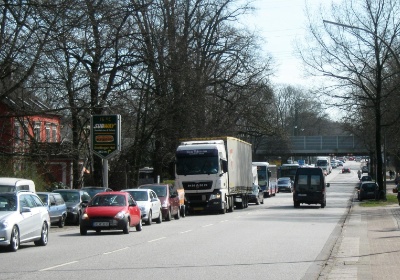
x,y
369,246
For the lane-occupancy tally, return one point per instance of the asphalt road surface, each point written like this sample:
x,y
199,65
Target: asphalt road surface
x,y
269,241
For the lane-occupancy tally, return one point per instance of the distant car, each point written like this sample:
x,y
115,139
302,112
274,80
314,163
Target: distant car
x,y
149,204
56,206
73,199
256,196
339,163
367,190
346,170
285,184
23,218
92,191
169,198
111,211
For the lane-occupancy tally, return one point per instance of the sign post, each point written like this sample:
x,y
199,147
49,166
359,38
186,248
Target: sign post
x,y
105,131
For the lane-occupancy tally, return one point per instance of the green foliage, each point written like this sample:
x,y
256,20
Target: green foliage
x,y
390,200
29,172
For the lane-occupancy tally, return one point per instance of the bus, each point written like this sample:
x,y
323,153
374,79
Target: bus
x,y
267,176
288,170
146,176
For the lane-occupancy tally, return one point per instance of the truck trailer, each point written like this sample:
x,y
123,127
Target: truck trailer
x,y
216,173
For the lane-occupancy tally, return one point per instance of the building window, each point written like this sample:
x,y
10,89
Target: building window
x,y
36,131
48,138
17,133
54,132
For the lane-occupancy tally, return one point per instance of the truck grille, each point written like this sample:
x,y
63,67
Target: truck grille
x,y
197,185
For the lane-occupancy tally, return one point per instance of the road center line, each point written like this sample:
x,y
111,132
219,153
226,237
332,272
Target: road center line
x,y
107,253
156,239
208,225
186,231
60,265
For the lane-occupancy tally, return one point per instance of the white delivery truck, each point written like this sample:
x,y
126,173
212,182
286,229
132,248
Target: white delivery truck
x,y
216,173
8,184
324,163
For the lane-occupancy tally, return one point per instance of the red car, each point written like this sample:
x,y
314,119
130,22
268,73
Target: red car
x,y
111,211
346,170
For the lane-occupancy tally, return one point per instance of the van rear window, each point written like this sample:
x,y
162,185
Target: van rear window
x,y
309,183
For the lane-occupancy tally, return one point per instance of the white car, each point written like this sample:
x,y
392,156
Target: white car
x,y
23,218
149,204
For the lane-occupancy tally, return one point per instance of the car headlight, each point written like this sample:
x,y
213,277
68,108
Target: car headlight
x,y
120,215
85,217
164,204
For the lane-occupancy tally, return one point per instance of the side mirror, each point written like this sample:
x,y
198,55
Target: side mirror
x,y
133,204
328,185
84,204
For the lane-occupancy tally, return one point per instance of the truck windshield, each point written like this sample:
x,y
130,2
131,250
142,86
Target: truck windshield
x,y
322,162
191,165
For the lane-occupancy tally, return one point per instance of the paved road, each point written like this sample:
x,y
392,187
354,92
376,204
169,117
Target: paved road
x,y
270,241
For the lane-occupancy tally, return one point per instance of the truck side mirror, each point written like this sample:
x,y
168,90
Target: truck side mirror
x,y
224,166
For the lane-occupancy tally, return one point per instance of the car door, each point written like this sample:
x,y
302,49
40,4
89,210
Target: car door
x,y
30,224
174,200
155,204
134,211
53,208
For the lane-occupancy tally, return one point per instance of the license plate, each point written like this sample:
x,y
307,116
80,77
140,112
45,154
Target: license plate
x,y
302,194
198,208
371,193
101,224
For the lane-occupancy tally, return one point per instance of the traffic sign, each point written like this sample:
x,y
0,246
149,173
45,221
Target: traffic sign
x,y
105,135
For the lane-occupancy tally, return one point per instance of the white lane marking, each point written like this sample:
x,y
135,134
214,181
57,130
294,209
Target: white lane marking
x,y
208,225
107,253
154,240
224,221
60,265
187,231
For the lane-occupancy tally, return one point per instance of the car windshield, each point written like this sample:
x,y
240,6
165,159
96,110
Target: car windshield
x,y
108,200
283,181
366,178
161,191
70,196
93,191
8,203
139,195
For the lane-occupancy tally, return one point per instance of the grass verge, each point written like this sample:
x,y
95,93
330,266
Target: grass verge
x,y
390,200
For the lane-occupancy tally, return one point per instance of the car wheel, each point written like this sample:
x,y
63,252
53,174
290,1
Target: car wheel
x,y
262,200
183,211
83,230
14,240
159,219
323,204
127,227
61,222
168,216
139,225
296,204
150,219
177,215
44,236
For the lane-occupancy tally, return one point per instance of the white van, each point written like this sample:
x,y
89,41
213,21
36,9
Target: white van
x,y
16,184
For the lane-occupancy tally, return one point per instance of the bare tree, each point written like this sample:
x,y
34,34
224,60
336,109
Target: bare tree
x,y
355,46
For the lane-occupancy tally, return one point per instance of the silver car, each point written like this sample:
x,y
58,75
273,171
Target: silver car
x,y
23,218
149,204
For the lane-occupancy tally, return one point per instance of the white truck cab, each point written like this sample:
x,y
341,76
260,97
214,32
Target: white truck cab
x,y
8,184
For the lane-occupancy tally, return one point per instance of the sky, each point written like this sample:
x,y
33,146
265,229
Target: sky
x,y
280,23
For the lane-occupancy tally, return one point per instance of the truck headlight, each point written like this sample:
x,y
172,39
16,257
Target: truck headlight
x,y
215,196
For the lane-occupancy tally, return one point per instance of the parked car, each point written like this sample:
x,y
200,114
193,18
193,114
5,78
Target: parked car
x,y
364,169
170,205
23,218
56,206
285,184
367,190
346,170
366,178
149,204
111,211
256,196
73,199
92,191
